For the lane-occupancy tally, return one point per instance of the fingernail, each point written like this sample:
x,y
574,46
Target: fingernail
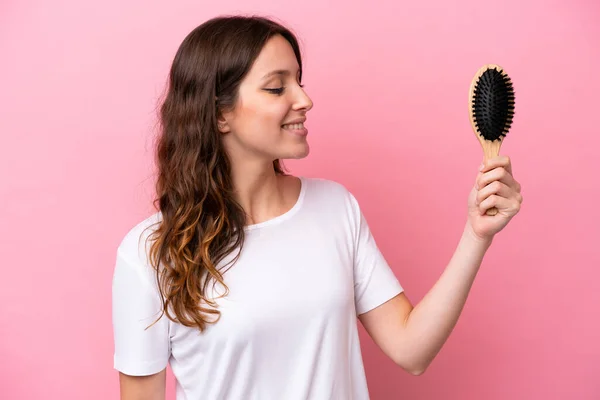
x,y
481,167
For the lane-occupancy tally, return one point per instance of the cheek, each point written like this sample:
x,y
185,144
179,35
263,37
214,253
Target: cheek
x,y
262,119
273,116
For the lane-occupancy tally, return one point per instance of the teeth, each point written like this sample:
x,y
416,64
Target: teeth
x,y
293,126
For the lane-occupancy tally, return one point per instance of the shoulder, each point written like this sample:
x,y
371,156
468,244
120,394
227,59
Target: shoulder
x,y
134,277
135,244
327,188
330,197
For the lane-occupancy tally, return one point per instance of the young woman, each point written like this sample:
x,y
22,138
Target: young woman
x,y
249,281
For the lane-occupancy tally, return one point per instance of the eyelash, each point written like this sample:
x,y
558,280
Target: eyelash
x,y
279,91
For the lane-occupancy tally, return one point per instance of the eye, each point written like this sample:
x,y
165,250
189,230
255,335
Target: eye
x,y
276,91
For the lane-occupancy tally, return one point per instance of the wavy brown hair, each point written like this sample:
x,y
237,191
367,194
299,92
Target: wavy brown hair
x,y
201,222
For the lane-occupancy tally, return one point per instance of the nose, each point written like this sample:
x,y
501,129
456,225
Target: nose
x,y
302,101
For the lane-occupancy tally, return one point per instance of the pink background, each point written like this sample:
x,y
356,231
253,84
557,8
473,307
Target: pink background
x,y
79,84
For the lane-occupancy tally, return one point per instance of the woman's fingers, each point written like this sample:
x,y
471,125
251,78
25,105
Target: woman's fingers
x,y
498,174
498,194
497,187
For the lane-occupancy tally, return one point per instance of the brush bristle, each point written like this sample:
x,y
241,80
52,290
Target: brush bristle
x,y
493,104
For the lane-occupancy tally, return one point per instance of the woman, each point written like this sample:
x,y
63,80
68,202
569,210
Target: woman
x,y
248,281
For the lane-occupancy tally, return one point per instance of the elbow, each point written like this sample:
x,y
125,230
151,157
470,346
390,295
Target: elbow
x,y
415,369
411,361
417,372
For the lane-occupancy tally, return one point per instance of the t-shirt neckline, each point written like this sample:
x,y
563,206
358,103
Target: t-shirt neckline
x,y
286,215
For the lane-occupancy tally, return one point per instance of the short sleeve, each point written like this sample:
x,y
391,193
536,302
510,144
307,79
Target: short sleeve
x,y
374,280
136,305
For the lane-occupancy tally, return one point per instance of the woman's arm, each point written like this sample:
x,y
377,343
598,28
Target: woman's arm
x,y
150,387
412,336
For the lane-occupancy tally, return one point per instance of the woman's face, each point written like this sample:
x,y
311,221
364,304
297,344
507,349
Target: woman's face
x,y
267,122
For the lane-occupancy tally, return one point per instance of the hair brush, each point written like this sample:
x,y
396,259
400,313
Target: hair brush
x,y
491,110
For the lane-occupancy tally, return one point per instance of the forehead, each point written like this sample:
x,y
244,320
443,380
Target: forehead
x,y
277,54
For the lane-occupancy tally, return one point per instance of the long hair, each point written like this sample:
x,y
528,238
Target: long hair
x,y
201,222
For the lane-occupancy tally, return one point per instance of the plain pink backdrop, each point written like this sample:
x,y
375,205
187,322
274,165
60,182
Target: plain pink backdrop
x,y
79,83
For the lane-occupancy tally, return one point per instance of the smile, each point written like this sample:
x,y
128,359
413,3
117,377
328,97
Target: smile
x,y
293,127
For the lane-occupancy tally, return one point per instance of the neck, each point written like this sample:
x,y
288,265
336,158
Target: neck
x,y
258,190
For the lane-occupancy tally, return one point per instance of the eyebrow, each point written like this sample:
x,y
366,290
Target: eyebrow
x,y
283,72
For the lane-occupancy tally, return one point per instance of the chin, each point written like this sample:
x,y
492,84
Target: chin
x,y
298,152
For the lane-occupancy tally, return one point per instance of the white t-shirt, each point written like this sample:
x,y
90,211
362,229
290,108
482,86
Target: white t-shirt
x,y
288,327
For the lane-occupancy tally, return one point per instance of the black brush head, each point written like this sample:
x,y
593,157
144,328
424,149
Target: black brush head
x,y
493,104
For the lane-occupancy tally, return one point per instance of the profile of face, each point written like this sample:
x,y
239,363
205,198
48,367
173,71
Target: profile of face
x,y
267,121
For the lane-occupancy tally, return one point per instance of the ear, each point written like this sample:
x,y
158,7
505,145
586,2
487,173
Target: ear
x,y
222,123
